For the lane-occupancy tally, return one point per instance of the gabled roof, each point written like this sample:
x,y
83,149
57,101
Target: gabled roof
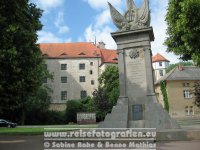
x,y
187,73
109,56
78,50
158,58
65,50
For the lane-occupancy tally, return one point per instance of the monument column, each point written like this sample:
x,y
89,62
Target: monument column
x,y
137,106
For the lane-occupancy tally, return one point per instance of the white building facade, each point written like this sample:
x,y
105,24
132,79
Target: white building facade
x,y
76,68
160,64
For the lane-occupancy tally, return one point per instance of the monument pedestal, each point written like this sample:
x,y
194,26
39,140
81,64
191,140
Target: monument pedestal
x,y
137,105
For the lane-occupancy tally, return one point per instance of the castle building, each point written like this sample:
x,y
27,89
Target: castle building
x,y
76,68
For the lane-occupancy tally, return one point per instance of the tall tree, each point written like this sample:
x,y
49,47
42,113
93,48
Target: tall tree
x,y
106,95
109,81
183,19
22,69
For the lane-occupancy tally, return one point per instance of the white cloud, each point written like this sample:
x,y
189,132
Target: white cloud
x,y
46,4
59,21
99,4
103,18
49,37
63,29
101,35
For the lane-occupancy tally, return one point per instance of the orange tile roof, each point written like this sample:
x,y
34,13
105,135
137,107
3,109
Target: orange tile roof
x,y
158,58
77,50
109,56
65,50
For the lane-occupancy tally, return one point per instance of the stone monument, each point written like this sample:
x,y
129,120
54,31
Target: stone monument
x,y
137,106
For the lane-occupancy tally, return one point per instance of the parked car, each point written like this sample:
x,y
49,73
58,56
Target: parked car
x,y
6,123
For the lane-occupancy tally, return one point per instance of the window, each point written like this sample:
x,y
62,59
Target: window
x,y
63,79
189,110
160,64
91,72
187,94
92,82
83,94
81,66
63,95
82,78
161,72
186,84
63,66
91,63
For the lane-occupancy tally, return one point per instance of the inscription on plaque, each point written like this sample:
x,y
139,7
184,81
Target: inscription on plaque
x,y
137,111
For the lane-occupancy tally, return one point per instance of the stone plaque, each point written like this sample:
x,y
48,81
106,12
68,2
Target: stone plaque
x,y
137,111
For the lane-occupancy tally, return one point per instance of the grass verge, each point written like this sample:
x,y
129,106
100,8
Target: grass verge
x,y
39,130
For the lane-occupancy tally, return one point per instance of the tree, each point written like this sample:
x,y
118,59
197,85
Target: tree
x,y
172,66
102,103
109,81
183,20
74,106
22,67
106,95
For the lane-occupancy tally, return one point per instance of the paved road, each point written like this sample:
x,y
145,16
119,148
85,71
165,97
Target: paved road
x,y
36,143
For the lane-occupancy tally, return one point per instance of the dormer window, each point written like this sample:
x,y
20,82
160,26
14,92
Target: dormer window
x,y
45,55
81,53
63,54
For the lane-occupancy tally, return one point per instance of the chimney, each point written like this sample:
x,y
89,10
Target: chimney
x,y
180,67
101,45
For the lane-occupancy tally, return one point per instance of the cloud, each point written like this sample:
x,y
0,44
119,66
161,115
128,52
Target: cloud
x,y
47,4
103,18
101,35
101,27
99,4
59,21
49,37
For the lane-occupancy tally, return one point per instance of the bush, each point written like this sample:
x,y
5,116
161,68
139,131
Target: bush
x,y
47,117
73,106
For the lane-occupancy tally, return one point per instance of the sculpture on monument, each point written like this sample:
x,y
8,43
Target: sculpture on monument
x,y
137,105
133,18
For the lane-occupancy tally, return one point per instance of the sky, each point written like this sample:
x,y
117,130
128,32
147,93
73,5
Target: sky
x,y
83,20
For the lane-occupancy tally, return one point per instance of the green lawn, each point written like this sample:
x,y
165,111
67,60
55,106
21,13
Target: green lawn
x,y
40,130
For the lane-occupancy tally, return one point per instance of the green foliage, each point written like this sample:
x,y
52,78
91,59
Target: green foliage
x,y
172,66
106,95
40,100
89,104
104,98
197,93
109,81
102,104
164,93
80,105
22,67
183,19
73,106
45,117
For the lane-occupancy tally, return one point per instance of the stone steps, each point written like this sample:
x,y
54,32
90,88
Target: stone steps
x,y
188,122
